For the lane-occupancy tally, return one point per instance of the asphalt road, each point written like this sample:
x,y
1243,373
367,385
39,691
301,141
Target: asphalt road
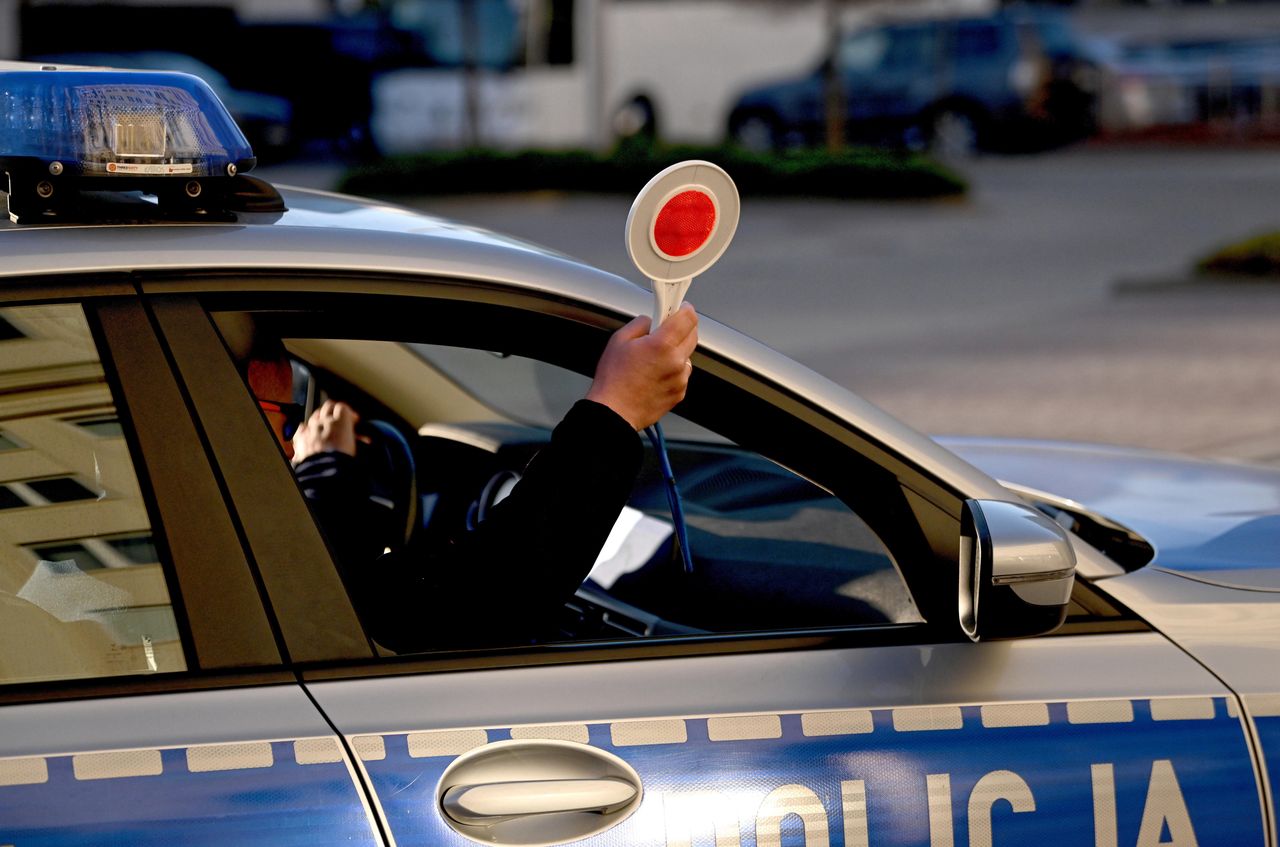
x,y
1000,314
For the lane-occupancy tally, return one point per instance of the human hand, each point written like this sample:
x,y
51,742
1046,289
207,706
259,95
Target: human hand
x,y
331,427
641,376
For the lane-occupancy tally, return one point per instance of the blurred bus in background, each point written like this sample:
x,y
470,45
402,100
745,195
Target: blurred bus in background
x,y
359,78
585,73
582,73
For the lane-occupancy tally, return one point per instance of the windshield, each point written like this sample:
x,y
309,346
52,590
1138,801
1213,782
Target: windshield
x,y
528,391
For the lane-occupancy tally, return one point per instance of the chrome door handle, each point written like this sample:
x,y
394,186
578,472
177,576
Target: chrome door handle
x,y
522,793
481,805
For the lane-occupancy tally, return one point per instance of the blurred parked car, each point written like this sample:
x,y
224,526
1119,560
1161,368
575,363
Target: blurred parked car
x,y
1209,83
1015,79
265,119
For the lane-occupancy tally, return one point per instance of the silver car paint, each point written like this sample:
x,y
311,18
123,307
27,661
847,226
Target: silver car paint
x,y
1065,668
1234,633
160,720
1214,521
925,687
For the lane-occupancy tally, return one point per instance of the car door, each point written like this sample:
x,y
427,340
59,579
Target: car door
x,y
144,695
877,732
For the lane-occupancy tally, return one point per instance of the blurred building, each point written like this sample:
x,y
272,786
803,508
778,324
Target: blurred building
x,y
80,578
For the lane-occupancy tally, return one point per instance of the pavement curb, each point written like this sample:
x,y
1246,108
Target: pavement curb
x,y
1194,282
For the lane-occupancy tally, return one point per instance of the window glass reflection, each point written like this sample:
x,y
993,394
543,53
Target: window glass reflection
x,y
82,590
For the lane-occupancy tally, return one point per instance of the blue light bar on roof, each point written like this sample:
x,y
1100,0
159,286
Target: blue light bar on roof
x,y
119,123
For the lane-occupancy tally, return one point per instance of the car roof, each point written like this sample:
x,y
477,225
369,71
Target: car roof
x,y
359,235
324,232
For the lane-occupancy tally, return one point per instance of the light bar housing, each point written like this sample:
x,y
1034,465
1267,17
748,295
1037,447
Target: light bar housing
x,y
68,131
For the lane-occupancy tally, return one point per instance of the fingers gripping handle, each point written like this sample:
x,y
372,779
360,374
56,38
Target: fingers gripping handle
x,y
667,297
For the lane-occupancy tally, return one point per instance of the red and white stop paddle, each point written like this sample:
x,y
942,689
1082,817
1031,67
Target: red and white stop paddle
x,y
679,225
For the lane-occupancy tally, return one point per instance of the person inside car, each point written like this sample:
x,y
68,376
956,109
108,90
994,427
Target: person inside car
x,y
510,574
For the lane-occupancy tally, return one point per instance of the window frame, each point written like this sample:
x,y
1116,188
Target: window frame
x,y
311,301
929,504
222,622
294,570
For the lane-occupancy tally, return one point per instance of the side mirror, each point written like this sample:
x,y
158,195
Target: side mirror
x,y
1017,567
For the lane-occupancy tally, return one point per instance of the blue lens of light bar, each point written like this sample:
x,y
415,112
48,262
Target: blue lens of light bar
x,y
128,123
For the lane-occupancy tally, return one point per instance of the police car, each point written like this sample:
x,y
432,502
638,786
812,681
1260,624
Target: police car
x,y
875,642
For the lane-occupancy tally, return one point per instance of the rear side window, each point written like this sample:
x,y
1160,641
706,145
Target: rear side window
x,y
82,590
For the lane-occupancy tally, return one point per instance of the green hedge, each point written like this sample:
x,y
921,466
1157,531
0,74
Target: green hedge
x,y
1254,257
857,173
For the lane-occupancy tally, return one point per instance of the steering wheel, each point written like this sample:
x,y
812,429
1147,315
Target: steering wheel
x,y
388,459
493,493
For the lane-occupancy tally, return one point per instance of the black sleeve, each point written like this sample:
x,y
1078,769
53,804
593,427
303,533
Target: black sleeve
x,y
514,571
337,490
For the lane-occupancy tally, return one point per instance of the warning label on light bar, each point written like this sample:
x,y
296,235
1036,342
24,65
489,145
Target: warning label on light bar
x,y
147,170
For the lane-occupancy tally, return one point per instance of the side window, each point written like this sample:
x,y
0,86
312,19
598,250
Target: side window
x,y
864,51
82,591
770,549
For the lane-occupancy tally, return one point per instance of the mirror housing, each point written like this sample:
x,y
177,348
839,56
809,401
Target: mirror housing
x,y
1017,567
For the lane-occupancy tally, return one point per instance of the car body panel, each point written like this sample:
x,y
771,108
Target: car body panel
x,y
1234,633
734,744
901,776
1211,520
1212,589
214,767
1264,713
883,677
792,100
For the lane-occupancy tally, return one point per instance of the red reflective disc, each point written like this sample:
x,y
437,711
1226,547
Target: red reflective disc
x,y
684,224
